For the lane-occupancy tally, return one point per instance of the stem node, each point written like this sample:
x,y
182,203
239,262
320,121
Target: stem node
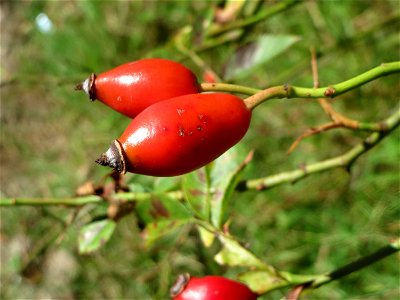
x,y
329,92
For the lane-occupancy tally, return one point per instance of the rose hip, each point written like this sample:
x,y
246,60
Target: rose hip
x,y
134,86
179,135
210,288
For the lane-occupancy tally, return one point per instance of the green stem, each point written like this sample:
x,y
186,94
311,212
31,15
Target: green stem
x,y
358,264
366,126
180,45
79,201
136,197
343,161
287,91
372,140
229,88
345,86
264,14
227,37
315,281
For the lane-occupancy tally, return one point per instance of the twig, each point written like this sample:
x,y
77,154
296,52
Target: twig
x,y
337,117
314,68
79,201
229,88
288,91
75,201
179,43
224,38
342,161
312,131
338,120
302,282
361,126
264,14
358,264
218,34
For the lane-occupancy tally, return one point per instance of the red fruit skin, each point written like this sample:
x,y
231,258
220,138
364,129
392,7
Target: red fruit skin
x,y
132,87
215,288
179,135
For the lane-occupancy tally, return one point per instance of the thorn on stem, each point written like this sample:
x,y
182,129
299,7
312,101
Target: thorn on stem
x,y
287,89
261,187
330,92
295,293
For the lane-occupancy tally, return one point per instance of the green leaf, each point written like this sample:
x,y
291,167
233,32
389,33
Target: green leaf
x,y
165,184
208,189
257,53
161,215
156,230
207,237
196,187
95,235
235,255
159,207
262,281
225,175
135,187
261,278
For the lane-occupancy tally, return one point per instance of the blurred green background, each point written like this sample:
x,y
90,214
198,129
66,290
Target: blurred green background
x,y
50,136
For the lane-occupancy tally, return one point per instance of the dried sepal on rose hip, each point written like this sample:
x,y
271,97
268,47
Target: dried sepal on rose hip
x,y
179,135
187,287
134,86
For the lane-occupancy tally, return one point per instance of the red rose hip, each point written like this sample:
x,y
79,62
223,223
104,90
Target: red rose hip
x,y
179,135
210,288
132,87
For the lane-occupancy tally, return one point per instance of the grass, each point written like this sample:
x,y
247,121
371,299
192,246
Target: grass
x,y
51,135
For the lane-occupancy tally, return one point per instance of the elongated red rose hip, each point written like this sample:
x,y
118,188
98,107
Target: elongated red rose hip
x,y
132,87
179,135
210,288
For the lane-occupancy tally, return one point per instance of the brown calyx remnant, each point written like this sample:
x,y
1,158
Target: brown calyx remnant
x,y
88,86
179,285
114,157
